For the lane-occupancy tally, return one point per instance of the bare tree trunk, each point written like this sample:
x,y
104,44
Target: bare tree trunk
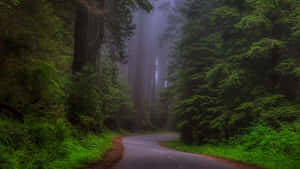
x,y
89,32
81,32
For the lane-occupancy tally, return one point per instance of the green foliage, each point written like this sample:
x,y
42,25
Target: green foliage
x,y
119,24
45,145
31,86
84,103
79,153
10,3
99,100
50,119
262,146
236,63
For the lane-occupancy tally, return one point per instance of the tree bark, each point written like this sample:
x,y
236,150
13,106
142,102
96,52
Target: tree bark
x,y
89,32
80,37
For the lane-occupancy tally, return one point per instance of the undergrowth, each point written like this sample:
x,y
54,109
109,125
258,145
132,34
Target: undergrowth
x,y
262,146
49,146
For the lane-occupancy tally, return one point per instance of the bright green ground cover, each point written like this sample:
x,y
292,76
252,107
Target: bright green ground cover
x,y
263,146
49,146
85,151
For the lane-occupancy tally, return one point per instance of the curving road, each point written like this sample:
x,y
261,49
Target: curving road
x,y
144,152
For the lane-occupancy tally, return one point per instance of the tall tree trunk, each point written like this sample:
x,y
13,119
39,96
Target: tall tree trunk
x,y
81,32
89,33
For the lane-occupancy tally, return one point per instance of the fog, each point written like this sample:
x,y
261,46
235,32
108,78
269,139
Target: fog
x,y
149,53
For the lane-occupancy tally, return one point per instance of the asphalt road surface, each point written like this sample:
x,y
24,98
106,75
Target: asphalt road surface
x,y
144,152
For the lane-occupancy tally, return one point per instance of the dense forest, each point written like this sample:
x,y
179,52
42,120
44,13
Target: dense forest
x,y
223,73
235,75
60,88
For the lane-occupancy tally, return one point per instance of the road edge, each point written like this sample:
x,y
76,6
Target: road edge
x,y
111,157
231,162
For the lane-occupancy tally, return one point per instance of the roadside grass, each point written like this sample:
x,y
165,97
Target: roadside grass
x,y
55,145
261,158
83,152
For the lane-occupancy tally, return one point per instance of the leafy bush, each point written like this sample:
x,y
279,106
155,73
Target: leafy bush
x,y
285,140
43,145
260,145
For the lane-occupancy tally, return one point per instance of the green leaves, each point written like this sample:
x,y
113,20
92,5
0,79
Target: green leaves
x,y
288,68
254,24
225,15
245,56
263,48
10,4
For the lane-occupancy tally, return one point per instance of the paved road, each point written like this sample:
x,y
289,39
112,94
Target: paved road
x,y
144,152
